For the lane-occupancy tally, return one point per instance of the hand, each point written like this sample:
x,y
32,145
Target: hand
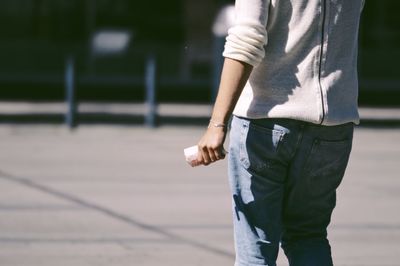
x,y
211,145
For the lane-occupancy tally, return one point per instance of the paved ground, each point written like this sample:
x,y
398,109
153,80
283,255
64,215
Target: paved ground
x,y
123,195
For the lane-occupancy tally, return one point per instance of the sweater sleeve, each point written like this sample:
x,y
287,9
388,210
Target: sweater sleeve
x,y
246,39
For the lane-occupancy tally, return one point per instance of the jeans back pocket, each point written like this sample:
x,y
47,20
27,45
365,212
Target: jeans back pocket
x,y
326,165
259,146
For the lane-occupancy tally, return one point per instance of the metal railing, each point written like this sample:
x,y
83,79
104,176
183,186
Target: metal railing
x,y
149,80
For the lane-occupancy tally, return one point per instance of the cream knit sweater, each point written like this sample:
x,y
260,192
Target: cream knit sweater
x,y
304,54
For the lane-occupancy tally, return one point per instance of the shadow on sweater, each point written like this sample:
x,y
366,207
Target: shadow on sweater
x,y
280,73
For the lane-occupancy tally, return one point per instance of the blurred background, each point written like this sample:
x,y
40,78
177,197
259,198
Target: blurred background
x,y
135,79
38,36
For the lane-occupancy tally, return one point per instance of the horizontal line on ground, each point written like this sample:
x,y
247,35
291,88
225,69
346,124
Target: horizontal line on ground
x,y
22,207
116,240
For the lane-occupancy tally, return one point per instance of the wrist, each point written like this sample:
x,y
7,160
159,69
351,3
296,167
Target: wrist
x,y
217,124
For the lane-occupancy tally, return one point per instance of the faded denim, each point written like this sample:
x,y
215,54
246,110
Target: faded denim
x,y
283,176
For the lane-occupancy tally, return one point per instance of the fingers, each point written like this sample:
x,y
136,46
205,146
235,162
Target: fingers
x,y
219,154
205,157
212,155
209,155
211,146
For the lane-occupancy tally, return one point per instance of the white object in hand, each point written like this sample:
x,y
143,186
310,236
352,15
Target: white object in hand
x,y
191,155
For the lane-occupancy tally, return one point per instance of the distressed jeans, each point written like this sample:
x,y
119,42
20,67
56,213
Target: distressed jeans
x,y
283,176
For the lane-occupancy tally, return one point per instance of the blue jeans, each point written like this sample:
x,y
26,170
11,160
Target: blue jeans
x,y
283,176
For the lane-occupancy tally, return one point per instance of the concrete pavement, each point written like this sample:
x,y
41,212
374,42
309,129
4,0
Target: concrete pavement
x,y
123,195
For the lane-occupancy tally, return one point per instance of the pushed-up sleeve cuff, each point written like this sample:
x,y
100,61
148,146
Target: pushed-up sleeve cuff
x,y
245,42
247,38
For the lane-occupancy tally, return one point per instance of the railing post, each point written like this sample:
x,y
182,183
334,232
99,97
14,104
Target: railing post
x,y
70,116
150,86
